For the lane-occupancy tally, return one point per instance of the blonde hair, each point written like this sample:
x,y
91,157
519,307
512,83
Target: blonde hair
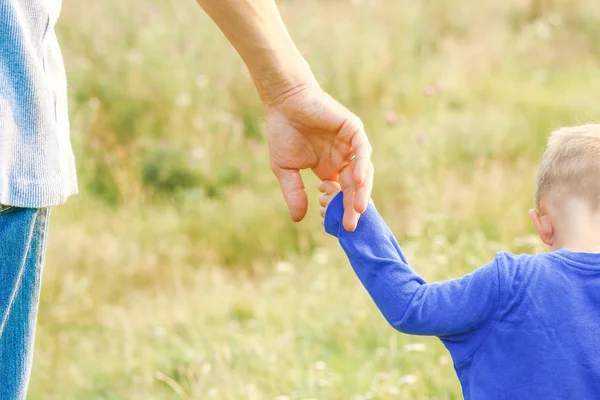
x,y
571,165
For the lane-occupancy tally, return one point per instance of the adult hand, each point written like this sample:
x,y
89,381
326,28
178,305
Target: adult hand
x,y
307,128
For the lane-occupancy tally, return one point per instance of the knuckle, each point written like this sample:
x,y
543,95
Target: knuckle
x,y
358,123
353,124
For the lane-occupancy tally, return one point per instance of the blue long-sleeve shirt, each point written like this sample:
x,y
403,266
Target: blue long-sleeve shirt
x,y
521,327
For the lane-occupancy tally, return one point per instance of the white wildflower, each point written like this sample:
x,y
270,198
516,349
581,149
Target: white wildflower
x,y
184,100
284,267
407,380
415,348
206,368
321,257
320,365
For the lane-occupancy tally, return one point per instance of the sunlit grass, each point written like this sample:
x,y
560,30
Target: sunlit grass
x,y
176,274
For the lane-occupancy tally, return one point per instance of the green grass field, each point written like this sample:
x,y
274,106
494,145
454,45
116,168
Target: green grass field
x,y
176,273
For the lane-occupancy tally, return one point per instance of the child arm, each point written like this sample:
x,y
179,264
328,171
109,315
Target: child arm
x,y
407,302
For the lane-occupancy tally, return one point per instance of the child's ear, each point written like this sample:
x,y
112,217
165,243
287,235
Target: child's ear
x,y
543,226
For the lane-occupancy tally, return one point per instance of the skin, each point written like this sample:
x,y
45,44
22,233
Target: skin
x,y
306,128
328,189
567,224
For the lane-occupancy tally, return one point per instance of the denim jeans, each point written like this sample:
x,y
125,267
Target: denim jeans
x,y
22,247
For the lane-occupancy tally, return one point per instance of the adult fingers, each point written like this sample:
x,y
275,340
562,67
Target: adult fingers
x,y
351,217
295,196
362,151
363,191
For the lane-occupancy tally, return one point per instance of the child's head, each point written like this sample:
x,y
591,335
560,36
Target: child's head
x,y
568,184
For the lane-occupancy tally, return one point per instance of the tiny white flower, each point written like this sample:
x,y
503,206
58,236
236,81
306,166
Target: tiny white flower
x,y
321,257
320,365
284,267
415,348
407,380
206,368
184,100
444,360
213,392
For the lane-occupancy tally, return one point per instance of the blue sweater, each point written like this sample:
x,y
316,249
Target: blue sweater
x,y
521,327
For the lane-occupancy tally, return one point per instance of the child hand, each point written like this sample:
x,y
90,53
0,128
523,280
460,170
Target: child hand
x,y
329,189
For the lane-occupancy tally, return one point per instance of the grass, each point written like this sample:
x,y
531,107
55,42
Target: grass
x,y
176,273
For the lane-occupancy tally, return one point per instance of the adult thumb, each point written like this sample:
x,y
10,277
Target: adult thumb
x,y
295,196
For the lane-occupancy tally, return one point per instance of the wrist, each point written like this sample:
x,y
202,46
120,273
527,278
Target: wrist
x,y
281,76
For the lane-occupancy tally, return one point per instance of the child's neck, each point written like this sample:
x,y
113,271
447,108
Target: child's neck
x,y
578,229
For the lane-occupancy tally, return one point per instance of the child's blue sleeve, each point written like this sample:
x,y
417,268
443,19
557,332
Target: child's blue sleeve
x,y
407,302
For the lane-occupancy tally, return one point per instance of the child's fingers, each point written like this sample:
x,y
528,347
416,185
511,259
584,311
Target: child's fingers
x,y
324,200
323,186
329,190
329,187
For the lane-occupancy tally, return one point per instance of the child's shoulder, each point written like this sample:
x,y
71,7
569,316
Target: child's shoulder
x,y
511,263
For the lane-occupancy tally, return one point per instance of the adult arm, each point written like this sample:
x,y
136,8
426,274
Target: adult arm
x,y
306,128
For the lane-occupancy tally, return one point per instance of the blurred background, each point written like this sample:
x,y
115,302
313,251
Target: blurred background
x,y
177,274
